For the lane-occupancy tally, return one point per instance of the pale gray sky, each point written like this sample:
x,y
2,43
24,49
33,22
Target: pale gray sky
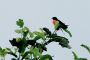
x,y
38,13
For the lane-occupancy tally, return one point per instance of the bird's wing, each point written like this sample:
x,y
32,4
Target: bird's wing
x,y
63,25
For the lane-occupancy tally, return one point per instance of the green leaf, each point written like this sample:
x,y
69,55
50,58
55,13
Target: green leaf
x,y
86,47
53,35
20,23
36,52
13,59
46,57
3,52
31,34
36,33
76,57
14,42
20,45
9,50
22,48
39,35
81,59
41,47
25,54
61,40
25,29
68,32
47,31
13,54
64,42
18,39
31,42
18,31
42,34
0,49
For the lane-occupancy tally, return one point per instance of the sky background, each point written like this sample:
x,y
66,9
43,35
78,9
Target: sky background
x,y
38,13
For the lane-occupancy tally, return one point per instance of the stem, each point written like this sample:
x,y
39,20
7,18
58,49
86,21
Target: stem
x,y
54,31
31,57
2,58
19,57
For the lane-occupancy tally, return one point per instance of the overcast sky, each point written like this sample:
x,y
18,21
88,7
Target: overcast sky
x,y
38,13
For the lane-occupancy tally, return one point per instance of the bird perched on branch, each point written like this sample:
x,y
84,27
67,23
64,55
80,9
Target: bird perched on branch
x,y
60,25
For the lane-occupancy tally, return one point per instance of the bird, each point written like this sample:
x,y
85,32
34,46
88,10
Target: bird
x,y
60,25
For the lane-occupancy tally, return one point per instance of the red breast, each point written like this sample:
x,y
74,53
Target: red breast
x,y
54,22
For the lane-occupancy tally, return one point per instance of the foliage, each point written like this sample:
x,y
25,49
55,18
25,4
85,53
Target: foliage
x,y
20,23
46,57
86,47
27,46
77,58
3,52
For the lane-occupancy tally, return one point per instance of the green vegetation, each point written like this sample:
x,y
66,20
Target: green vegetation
x,y
27,47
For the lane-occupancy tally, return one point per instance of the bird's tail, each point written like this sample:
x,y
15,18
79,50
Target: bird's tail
x,y
68,32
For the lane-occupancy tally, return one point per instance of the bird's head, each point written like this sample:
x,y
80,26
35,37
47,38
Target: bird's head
x,y
54,18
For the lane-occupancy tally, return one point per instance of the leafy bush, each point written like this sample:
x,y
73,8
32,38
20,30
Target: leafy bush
x,y
27,47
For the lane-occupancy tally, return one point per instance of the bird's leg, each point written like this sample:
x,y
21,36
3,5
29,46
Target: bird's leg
x,y
54,31
62,32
